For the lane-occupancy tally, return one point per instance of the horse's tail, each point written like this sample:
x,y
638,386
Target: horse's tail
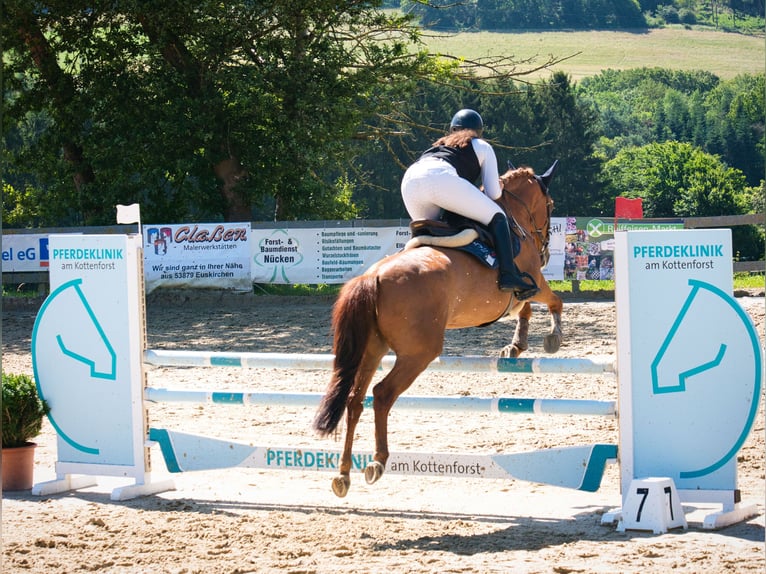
x,y
353,320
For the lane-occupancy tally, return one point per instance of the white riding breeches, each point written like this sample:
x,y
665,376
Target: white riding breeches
x,y
431,185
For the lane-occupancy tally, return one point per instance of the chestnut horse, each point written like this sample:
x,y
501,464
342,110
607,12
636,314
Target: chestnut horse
x,y
405,302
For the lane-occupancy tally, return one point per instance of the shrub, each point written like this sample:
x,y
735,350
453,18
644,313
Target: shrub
x,y
686,16
669,14
23,410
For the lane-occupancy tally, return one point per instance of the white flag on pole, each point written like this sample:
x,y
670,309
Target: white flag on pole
x,y
129,213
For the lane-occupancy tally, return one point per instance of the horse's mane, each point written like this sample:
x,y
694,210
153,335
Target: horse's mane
x,y
519,172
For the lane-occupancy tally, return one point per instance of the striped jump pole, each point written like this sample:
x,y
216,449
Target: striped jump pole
x,y
306,361
497,405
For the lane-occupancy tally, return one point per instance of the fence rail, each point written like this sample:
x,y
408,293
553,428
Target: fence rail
x,y
728,221
723,221
40,278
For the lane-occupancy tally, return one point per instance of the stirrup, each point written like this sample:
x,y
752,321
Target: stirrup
x,y
521,289
523,295
520,293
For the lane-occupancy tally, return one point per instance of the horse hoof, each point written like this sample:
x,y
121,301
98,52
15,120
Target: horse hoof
x,y
340,485
551,343
373,472
510,352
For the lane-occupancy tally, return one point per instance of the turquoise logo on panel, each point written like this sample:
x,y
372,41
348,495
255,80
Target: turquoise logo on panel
x,y
69,348
710,354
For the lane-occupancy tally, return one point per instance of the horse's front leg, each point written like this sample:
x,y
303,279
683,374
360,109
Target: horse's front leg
x,y
520,342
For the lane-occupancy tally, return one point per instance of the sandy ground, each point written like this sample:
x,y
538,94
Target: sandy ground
x,y
246,520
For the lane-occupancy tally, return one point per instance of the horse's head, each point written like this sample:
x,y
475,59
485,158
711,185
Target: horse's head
x,y
526,198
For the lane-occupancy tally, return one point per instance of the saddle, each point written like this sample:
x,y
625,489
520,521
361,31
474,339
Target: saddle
x,y
459,232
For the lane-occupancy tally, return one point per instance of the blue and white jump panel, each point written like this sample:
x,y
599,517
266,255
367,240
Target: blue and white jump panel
x,y
87,343
577,467
690,366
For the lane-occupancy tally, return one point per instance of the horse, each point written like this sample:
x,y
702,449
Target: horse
x,y
406,302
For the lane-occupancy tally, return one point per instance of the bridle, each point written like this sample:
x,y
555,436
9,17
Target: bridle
x,y
541,232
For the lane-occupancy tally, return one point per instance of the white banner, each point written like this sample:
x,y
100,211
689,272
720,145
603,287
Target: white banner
x,y
691,376
557,246
25,252
330,255
198,255
321,255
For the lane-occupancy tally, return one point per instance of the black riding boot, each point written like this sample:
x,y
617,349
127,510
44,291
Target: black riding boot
x,y
509,278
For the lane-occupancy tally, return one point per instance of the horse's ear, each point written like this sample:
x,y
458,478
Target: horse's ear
x,y
548,175
510,165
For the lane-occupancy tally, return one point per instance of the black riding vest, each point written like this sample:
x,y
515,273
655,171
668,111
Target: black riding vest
x,y
463,159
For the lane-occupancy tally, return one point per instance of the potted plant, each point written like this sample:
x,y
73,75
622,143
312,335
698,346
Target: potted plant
x,y
22,420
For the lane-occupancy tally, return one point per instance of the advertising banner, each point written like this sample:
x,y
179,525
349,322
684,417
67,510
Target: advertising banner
x,y
590,244
234,256
332,255
85,346
24,252
557,248
689,360
325,255
198,255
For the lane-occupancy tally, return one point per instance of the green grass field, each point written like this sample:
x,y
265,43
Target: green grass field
x,y
725,55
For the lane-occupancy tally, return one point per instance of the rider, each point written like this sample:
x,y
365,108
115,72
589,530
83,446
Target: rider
x,y
443,178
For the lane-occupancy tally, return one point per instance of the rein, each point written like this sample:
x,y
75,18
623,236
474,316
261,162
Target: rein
x,y
541,232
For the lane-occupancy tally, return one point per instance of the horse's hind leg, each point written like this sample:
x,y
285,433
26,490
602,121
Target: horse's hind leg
x,y
520,342
404,372
354,407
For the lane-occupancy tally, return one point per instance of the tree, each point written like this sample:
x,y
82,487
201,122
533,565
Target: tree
x,y
679,180
24,30
734,114
210,110
200,109
725,118
676,180
527,14
563,128
528,124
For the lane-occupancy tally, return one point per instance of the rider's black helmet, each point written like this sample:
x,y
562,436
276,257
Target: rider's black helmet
x,y
466,120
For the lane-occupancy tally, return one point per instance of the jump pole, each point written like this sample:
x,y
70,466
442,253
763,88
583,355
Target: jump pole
x,y
93,377
307,361
495,405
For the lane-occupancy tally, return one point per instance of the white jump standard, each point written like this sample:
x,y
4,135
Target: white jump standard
x,y
687,394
